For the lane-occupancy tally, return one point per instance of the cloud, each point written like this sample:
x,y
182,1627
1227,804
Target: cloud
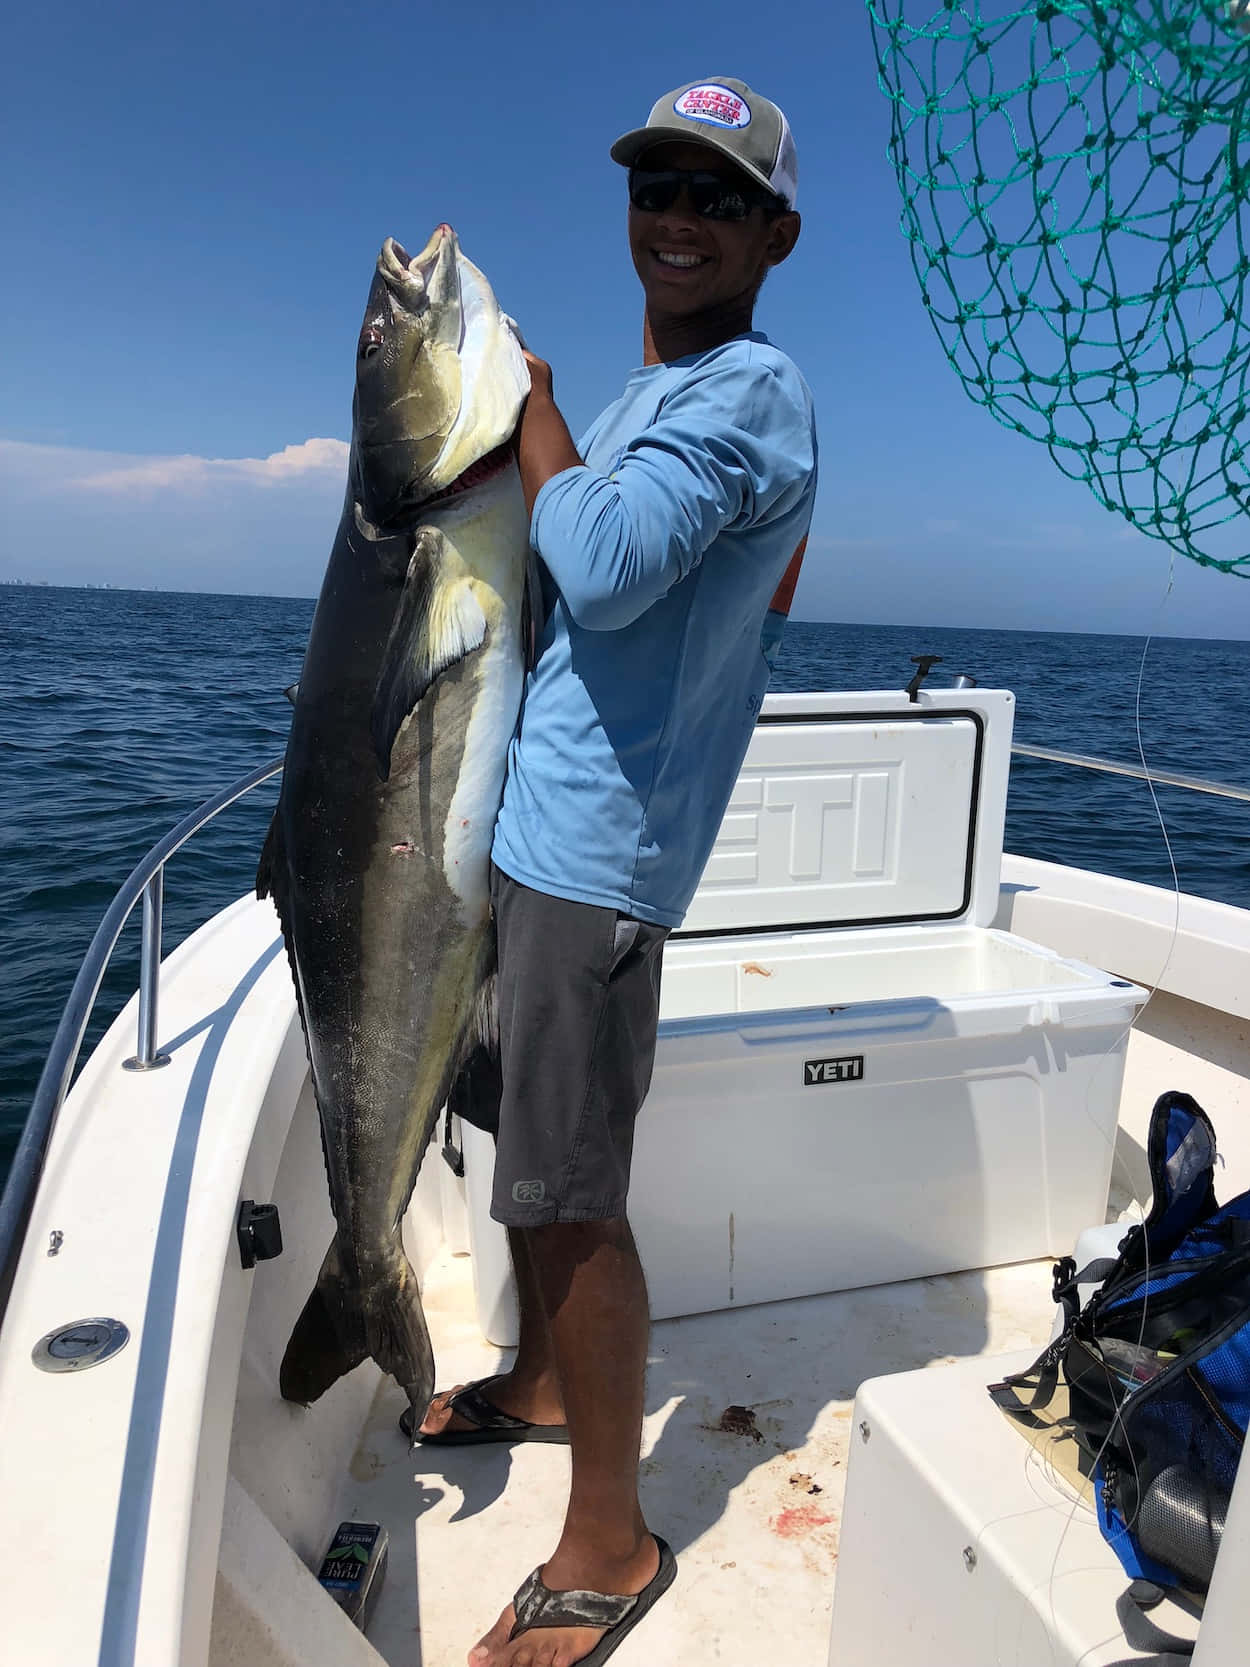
x,y
34,467
198,474
245,524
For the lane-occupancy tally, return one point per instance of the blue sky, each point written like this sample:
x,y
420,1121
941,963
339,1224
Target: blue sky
x,y
194,201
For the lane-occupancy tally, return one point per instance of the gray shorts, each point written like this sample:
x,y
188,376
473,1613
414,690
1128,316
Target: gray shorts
x,y
579,1001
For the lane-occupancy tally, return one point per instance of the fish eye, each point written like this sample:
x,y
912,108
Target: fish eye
x,y
370,342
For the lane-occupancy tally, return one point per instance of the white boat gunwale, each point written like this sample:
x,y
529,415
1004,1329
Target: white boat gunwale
x,y
1181,925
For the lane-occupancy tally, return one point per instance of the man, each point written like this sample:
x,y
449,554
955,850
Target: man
x,y
663,538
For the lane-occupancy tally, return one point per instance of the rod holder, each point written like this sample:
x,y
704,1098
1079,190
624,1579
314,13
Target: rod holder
x,y
924,664
146,1057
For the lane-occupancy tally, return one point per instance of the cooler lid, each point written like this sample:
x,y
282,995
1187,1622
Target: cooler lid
x,y
861,809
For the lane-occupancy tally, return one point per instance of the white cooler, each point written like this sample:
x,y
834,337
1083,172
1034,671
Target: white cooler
x,y
857,1078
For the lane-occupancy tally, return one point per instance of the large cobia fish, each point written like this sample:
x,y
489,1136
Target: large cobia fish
x,y
378,855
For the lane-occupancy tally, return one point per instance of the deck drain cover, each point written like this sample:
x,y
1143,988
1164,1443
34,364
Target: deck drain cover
x,y
72,1348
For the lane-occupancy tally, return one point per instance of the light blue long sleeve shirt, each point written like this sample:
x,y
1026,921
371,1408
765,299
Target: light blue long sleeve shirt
x,y
662,551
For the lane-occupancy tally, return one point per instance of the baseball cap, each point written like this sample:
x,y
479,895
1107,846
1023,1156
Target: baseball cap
x,y
726,115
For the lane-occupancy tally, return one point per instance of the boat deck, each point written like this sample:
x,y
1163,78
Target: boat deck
x,y
753,1517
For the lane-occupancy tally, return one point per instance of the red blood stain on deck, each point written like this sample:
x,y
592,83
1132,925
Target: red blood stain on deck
x,y
797,1520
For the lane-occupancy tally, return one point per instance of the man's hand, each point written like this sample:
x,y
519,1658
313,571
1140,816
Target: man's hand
x,y
540,375
544,445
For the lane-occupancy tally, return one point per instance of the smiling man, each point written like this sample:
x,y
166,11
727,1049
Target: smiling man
x,y
670,538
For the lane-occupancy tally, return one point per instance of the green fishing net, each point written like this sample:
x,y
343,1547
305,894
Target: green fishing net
x,y
1074,177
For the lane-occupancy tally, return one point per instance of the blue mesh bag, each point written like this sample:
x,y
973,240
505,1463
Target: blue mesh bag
x,y
1157,1362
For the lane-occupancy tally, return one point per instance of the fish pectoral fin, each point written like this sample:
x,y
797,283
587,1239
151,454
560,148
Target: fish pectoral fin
x,y
436,625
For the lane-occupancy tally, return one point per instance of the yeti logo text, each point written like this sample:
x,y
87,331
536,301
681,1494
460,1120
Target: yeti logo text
x,y
858,799
848,1069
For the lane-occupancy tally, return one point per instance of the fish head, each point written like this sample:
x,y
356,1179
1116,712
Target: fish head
x,y
440,379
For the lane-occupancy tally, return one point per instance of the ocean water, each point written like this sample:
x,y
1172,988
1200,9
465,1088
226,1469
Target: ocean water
x,y
122,710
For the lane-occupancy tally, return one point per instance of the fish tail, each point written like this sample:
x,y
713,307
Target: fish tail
x,y
398,1338
342,1324
329,1336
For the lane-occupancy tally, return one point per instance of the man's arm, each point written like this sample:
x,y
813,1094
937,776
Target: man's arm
x,y
544,445
732,447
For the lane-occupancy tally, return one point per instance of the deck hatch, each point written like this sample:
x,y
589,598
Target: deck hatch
x,y
80,1345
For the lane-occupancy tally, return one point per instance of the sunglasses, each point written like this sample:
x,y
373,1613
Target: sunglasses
x,y
712,196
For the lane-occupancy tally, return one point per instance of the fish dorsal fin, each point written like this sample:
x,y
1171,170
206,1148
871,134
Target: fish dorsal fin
x,y
437,623
272,860
533,612
292,692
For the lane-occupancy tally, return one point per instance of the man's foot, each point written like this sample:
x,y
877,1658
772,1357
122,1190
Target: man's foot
x,y
536,1401
565,1646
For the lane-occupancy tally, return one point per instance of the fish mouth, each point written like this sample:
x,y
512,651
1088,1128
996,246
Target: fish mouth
x,y
409,402
411,279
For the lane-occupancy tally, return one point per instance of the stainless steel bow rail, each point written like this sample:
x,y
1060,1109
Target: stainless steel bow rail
x,y
1161,778
148,881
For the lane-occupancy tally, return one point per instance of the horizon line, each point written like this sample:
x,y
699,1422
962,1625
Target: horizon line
x,y
796,619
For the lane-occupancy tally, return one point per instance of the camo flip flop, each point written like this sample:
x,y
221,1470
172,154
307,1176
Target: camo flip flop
x,y
537,1605
490,1424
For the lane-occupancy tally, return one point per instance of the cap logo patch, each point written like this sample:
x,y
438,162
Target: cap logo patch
x,y
718,105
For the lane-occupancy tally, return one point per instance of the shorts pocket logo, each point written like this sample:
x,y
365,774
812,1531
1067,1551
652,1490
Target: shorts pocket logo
x,y
529,1192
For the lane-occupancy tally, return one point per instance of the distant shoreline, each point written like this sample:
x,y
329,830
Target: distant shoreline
x,y
152,590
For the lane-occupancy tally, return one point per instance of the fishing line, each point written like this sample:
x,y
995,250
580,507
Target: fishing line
x,y
1122,1040
1035,1459
1116,1427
